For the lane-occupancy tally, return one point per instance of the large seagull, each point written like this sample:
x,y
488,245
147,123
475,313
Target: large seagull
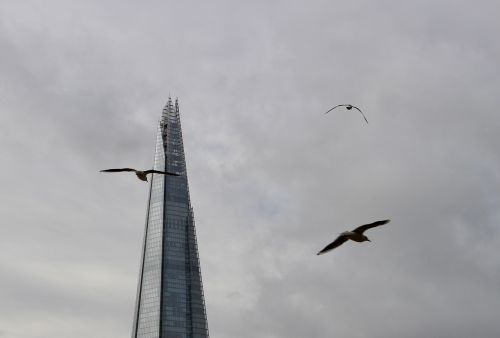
x,y
348,107
354,235
142,175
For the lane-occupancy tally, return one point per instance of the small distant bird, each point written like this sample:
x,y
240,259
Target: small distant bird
x,y
354,235
142,175
348,107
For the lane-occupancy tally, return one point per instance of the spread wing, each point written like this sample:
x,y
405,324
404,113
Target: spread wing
x,y
116,170
339,105
336,243
152,171
361,113
363,228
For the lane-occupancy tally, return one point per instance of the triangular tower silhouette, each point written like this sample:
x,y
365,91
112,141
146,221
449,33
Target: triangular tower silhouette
x,y
170,301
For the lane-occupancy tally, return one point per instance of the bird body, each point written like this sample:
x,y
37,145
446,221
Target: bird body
x,y
348,107
141,174
356,235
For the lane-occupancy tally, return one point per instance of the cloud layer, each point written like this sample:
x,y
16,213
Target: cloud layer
x,y
272,179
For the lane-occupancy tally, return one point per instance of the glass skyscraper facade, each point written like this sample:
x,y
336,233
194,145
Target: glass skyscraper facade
x,y
170,301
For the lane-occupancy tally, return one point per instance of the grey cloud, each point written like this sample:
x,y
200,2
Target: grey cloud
x,y
272,179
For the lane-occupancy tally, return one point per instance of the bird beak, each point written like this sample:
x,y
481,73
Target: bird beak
x,y
368,240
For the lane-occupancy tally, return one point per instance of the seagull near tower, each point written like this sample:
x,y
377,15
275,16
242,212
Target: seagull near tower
x,y
354,235
348,107
141,174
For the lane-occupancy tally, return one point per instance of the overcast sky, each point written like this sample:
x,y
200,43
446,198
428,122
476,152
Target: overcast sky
x,y
272,179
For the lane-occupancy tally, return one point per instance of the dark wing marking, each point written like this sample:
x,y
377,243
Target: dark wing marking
x,y
117,170
339,105
363,228
336,243
152,171
361,113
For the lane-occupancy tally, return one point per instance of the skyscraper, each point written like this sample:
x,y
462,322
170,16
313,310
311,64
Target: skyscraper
x,y
170,302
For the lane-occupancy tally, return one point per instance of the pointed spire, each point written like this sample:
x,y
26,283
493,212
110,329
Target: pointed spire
x,y
167,107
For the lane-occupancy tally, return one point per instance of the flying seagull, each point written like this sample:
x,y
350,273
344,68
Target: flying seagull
x,y
354,235
348,107
142,175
